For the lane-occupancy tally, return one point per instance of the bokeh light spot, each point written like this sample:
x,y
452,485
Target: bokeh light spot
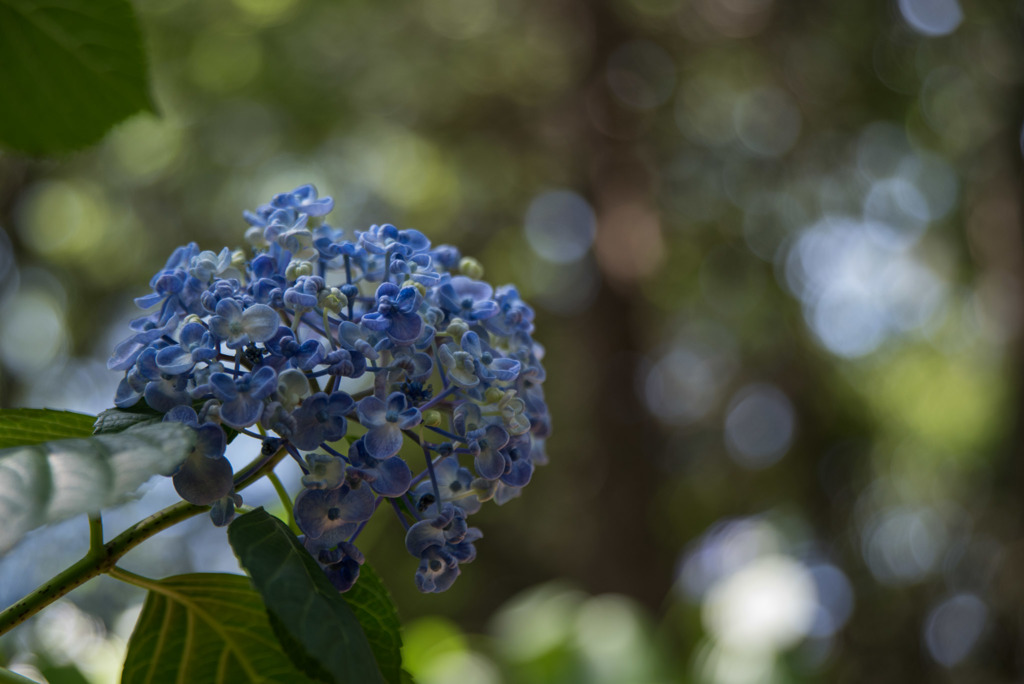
x,y
769,605
560,226
932,17
759,426
32,335
953,628
146,146
64,219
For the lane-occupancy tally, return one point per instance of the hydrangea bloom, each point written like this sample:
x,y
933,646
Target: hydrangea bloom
x,y
382,364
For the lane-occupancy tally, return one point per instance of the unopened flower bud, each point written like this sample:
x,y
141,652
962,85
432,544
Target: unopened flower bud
x,y
471,268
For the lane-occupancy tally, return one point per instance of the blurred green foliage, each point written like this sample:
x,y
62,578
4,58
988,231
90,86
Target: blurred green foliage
x,y
791,350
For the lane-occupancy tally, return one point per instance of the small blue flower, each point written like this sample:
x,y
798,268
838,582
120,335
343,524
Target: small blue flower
x,y
321,419
128,351
441,544
357,338
388,477
163,391
459,365
222,511
196,344
380,239
287,351
409,365
384,423
303,294
468,299
304,199
486,447
340,564
454,483
243,397
490,365
513,313
416,268
518,463
395,313
345,363
239,327
325,472
205,476
337,511
206,266
445,257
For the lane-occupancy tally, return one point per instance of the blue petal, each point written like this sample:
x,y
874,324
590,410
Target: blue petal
x,y
397,402
263,382
383,441
242,411
260,322
163,397
409,418
174,360
520,473
375,321
372,412
341,404
202,480
146,301
436,572
125,354
223,386
490,464
320,510
504,370
421,536
405,327
182,414
393,477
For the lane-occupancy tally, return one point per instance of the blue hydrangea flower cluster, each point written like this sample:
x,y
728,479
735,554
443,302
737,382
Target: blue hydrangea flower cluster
x,y
366,355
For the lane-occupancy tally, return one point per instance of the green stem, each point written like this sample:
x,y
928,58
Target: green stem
x,y
131,578
95,534
101,558
286,501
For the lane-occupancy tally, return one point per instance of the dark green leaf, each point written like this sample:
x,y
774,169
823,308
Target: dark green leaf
x,y
71,70
370,601
299,595
205,628
44,483
19,427
116,420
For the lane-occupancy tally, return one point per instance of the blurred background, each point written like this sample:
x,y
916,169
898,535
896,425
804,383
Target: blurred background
x,y
775,252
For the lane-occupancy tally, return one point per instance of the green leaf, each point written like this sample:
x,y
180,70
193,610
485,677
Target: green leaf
x,y
370,601
19,427
44,483
205,628
71,70
299,595
8,677
116,420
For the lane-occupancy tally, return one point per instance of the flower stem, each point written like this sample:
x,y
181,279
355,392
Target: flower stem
x,y
101,558
286,501
95,534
